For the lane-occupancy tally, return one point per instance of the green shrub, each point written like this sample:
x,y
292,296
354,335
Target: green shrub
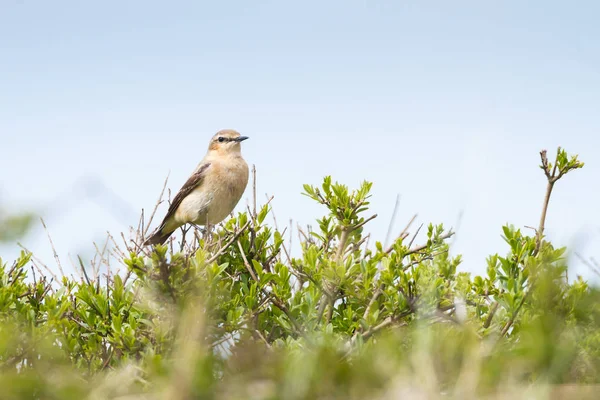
x,y
232,314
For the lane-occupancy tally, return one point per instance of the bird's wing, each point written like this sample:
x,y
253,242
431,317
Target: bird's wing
x,y
188,187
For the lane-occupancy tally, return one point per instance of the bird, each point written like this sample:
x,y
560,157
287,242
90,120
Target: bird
x,y
212,191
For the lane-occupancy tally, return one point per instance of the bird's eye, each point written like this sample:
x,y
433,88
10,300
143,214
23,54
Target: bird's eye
x,y
221,139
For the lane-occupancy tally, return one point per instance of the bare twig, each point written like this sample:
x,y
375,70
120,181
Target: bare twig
x,y
322,304
552,177
549,187
87,278
490,317
158,203
36,261
342,244
593,266
273,215
392,220
246,263
424,246
139,232
302,234
274,300
53,248
254,190
371,218
512,319
229,243
262,337
403,234
386,322
331,305
376,295
415,236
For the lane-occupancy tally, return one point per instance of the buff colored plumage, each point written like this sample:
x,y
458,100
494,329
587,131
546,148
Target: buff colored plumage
x,y
212,191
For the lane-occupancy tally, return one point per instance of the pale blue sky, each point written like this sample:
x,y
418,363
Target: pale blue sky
x,y
445,103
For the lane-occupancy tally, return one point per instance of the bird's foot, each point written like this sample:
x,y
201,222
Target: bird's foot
x,y
204,231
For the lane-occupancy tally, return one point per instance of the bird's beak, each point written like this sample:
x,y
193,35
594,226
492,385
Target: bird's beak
x,y
241,138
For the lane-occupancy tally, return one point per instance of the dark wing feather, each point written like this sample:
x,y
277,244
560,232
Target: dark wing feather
x,y
192,183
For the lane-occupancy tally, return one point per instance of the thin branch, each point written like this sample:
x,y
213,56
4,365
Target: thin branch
x,y
274,300
424,246
403,234
246,263
36,261
87,278
371,218
512,319
53,248
254,190
228,244
415,236
386,322
342,245
488,320
589,263
262,337
158,203
552,177
140,229
540,230
273,215
392,220
376,295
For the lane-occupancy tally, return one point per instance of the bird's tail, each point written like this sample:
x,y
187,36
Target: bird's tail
x,y
158,237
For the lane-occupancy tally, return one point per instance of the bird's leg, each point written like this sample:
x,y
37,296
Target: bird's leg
x,y
198,232
184,230
207,232
196,226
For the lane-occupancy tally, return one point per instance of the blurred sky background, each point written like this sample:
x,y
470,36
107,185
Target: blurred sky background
x,y
446,103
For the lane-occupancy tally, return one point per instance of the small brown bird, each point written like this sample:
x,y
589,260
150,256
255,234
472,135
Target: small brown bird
x,y
212,191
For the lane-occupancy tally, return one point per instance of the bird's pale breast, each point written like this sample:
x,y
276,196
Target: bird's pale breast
x,y
216,197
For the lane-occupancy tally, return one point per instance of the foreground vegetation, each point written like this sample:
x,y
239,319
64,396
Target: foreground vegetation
x,y
231,314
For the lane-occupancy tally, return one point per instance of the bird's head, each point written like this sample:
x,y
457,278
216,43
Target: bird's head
x,y
225,142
